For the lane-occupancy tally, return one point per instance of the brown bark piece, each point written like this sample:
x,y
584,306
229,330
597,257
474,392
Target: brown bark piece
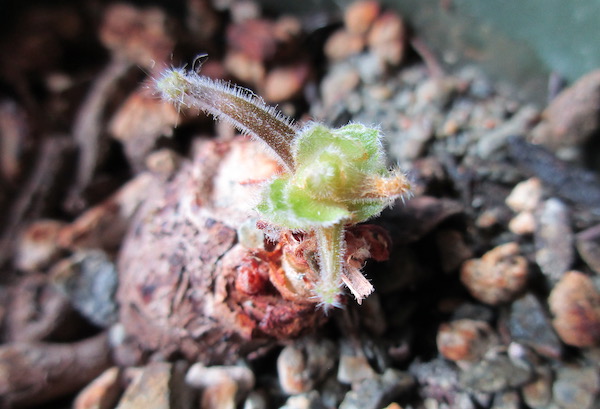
x,y
178,266
33,373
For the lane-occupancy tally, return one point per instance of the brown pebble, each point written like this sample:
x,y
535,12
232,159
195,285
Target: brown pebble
x,y
255,38
575,303
102,393
342,44
141,35
498,276
387,38
572,117
284,83
245,68
303,364
465,340
359,16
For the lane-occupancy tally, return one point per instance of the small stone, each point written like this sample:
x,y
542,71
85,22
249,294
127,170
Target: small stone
x,y
223,387
529,324
576,387
437,379
354,369
575,303
498,276
554,239
465,340
245,68
163,163
310,400
537,394
494,375
141,35
89,279
301,365
387,38
159,386
254,38
573,116
506,400
284,83
342,44
38,246
437,91
588,246
255,400
359,16
379,391
102,393
338,84
522,224
526,195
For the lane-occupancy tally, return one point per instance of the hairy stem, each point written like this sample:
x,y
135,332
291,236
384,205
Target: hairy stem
x,y
239,106
332,247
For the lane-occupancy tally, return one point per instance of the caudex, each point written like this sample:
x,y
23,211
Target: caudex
x,y
332,178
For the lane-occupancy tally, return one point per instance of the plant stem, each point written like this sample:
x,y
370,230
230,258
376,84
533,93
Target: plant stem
x,y
332,247
237,105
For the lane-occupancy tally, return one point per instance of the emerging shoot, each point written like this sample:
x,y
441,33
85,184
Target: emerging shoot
x,y
334,178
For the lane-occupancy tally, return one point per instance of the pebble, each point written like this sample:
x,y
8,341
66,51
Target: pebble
x,y
245,68
537,394
494,374
102,393
465,340
553,239
360,16
376,392
506,400
222,386
90,280
576,387
163,163
437,379
573,116
310,400
387,38
494,140
342,44
303,364
353,369
159,386
498,276
522,224
338,84
528,323
38,247
284,83
588,246
575,303
526,196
